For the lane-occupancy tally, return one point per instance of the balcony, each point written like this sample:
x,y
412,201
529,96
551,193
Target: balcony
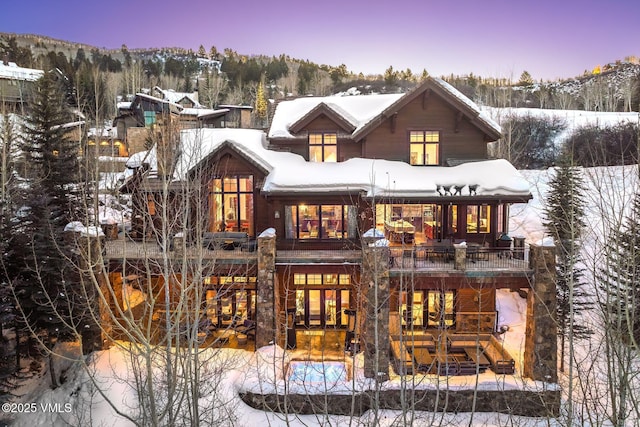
x,y
320,256
473,258
124,248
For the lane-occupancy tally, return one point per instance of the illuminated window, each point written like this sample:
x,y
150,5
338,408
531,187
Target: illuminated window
x,y
321,279
320,221
440,308
412,308
424,147
231,204
323,147
478,219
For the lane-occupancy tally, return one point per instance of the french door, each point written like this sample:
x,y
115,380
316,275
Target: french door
x,y
320,308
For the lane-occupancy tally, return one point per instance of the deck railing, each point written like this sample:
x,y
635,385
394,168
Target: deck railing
x,y
443,258
300,256
121,248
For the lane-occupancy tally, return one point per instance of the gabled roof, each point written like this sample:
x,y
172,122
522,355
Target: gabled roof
x,y
173,107
175,97
451,95
364,113
336,114
355,110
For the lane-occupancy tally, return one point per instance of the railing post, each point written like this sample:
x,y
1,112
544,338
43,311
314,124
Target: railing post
x,y
459,257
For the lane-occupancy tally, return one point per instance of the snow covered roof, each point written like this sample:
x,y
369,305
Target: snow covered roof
x,y
123,105
288,173
365,112
159,100
175,97
12,71
459,96
385,178
358,110
203,112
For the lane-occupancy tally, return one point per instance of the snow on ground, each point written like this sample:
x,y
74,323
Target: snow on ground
x,y
574,119
264,371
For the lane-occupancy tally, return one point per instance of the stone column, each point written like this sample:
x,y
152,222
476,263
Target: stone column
x,y
266,325
94,336
541,342
460,257
375,334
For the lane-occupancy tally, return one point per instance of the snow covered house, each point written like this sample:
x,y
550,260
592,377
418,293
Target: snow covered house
x,y
390,194
147,116
17,85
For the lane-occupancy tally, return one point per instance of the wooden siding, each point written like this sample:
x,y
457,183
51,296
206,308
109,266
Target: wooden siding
x,y
467,143
228,163
473,300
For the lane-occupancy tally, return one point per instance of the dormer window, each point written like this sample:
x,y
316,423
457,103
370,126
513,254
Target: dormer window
x,y
323,147
424,147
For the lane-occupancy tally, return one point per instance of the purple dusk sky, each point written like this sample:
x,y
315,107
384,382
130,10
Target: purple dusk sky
x,y
497,38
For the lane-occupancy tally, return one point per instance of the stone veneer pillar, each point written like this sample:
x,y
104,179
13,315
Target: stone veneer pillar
x,y
375,333
541,342
460,258
94,336
266,325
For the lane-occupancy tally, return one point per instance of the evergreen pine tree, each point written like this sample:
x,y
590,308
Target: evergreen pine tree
x,y
46,282
564,221
620,279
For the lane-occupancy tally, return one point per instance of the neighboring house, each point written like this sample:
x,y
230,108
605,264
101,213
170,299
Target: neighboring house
x,y
186,99
401,178
170,114
239,116
103,142
16,85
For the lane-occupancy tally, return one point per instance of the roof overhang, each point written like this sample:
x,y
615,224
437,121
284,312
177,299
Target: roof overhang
x,y
318,111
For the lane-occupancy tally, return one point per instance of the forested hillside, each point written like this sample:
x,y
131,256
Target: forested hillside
x,y
96,76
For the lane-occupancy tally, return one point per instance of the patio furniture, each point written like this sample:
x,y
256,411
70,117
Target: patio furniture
x,y
227,240
504,246
501,361
477,356
247,328
400,231
423,358
241,338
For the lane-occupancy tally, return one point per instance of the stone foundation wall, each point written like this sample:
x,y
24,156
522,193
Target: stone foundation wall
x,y
513,402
